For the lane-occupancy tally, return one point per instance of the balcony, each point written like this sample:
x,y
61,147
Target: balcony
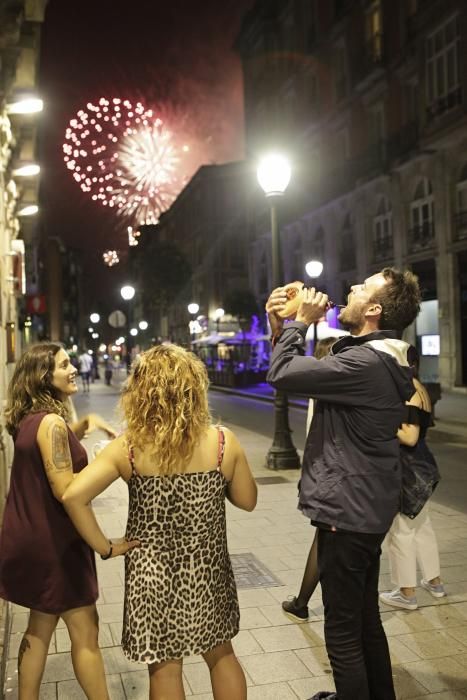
x,y
460,226
383,249
444,104
421,237
371,57
341,88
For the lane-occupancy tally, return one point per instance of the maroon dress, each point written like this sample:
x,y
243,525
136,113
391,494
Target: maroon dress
x,y
44,563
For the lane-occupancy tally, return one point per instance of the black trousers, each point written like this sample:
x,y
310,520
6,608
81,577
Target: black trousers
x,y
355,640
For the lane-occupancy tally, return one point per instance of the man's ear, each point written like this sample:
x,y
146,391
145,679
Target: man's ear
x,y
374,311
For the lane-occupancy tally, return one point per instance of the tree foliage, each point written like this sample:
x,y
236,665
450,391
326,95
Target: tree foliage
x,y
162,270
242,304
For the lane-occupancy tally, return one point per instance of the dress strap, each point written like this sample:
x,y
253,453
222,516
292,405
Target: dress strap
x,y
220,448
131,458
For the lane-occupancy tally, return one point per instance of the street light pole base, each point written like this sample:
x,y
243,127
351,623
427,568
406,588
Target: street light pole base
x,y
282,453
282,458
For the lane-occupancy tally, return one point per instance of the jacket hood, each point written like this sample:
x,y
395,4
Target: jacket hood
x,y
391,350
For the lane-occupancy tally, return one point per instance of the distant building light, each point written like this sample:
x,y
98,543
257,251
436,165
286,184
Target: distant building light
x,y
95,336
90,352
29,210
25,105
27,170
133,331
143,325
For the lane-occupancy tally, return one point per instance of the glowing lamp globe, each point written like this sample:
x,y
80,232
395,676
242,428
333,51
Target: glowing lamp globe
x,y
193,308
218,313
94,318
274,174
127,292
134,332
314,268
143,325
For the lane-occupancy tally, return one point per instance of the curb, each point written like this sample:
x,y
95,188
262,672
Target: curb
x,y
295,402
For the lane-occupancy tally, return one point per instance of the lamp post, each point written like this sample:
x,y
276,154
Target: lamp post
x,y
218,314
193,309
273,175
127,292
313,269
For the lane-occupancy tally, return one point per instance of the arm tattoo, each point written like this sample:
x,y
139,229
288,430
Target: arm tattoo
x,y
60,448
22,648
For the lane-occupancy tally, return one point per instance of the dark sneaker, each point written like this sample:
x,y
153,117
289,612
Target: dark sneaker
x,y
291,608
324,695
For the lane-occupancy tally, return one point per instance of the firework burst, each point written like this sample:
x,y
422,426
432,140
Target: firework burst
x,y
123,156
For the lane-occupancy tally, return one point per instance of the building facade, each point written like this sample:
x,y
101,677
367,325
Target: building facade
x,y
208,223
369,99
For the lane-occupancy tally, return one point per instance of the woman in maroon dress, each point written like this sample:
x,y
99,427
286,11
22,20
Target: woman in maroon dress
x,y
44,564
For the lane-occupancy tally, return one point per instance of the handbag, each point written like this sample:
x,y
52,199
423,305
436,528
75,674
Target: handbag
x,y
420,476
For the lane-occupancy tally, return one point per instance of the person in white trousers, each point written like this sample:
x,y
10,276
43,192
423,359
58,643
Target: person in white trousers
x,y
413,539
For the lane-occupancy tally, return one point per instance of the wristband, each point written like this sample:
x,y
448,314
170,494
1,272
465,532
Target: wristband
x,y
109,553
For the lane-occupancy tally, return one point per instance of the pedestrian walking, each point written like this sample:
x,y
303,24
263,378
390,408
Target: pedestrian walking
x,y
351,480
410,538
44,564
85,369
180,593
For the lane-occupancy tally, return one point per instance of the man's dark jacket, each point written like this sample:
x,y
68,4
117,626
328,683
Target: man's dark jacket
x,y
350,473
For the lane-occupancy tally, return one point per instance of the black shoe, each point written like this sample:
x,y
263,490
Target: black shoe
x,y
324,695
294,610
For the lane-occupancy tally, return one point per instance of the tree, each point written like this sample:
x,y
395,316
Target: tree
x,y
162,270
242,304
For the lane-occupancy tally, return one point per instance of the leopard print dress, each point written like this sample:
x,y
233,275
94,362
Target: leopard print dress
x,y
180,593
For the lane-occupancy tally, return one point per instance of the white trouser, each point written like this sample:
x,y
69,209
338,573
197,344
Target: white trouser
x,y
408,541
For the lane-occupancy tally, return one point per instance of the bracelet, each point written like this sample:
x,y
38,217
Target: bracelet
x,y
109,553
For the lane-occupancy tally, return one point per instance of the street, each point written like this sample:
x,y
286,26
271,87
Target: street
x,y
283,660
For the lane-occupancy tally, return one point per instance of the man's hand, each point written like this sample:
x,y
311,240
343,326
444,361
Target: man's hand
x,y
313,306
274,304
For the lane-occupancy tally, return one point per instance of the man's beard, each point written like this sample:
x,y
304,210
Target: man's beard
x,y
351,321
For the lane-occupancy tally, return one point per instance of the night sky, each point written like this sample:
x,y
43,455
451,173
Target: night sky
x,y
174,57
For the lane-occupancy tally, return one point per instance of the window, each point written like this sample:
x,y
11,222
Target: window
x,y
340,73
377,135
373,33
442,53
421,216
348,258
382,232
461,205
310,90
317,245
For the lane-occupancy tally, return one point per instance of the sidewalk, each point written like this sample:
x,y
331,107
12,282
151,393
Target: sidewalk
x,y
282,660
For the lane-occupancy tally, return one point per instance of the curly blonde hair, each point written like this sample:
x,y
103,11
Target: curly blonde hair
x,y
165,403
30,389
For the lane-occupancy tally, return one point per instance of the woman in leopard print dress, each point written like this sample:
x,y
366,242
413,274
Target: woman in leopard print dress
x,y
180,594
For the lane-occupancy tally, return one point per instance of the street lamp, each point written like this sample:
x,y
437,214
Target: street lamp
x,y
143,325
218,314
273,175
127,292
193,309
94,318
313,269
